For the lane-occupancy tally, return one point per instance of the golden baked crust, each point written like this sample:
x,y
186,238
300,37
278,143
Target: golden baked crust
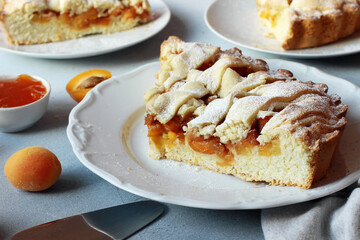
x,y
41,21
300,24
228,113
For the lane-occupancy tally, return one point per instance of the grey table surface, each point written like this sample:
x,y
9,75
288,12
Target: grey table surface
x,y
78,190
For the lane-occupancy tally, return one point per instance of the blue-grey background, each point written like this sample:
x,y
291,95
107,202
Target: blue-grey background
x,y
78,190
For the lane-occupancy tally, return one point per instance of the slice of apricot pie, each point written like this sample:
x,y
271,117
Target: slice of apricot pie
x,y
228,113
41,21
308,23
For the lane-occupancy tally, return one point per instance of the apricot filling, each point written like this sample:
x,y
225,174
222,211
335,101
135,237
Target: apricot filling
x,y
90,17
165,134
210,145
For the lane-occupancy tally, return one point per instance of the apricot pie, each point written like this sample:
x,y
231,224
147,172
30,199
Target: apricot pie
x,y
41,21
301,24
228,113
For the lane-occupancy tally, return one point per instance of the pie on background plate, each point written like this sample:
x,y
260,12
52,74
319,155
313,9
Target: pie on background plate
x,y
33,22
301,24
249,32
94,44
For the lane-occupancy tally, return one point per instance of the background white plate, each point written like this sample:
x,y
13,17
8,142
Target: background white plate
x,y
108,135
95,44
236,21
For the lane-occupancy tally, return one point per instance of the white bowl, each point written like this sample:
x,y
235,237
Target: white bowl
x,y
15,119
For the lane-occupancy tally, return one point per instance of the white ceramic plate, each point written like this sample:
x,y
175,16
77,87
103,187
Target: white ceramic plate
x,y
236,21
108,135
95,44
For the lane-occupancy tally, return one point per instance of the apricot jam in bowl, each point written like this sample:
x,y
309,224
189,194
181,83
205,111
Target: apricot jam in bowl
x,y
23,101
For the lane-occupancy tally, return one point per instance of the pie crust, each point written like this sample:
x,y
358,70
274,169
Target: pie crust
x,y
308,23
40,21
228,113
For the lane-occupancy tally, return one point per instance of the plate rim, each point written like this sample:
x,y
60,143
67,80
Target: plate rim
x,y
182,201
274,52
167,17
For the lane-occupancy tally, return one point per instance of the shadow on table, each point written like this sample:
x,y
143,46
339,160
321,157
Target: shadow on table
x,y
68,181
53,119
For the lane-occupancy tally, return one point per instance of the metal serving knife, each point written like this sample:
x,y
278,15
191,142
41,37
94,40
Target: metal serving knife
x,y
111,223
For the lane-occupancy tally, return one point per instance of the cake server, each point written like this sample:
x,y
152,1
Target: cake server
x,y
111,223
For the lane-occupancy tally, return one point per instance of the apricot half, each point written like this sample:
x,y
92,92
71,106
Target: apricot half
x,y
33,169
81,84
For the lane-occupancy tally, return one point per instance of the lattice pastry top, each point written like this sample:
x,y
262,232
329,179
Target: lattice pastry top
x,y
224,93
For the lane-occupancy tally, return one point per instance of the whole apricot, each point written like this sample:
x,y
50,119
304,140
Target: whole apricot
x,y
33,169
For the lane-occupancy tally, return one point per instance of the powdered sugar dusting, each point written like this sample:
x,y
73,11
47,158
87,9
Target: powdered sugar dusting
x,y
294,105
320,5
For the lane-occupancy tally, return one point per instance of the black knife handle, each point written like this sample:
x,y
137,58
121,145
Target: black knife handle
x,y
64,229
